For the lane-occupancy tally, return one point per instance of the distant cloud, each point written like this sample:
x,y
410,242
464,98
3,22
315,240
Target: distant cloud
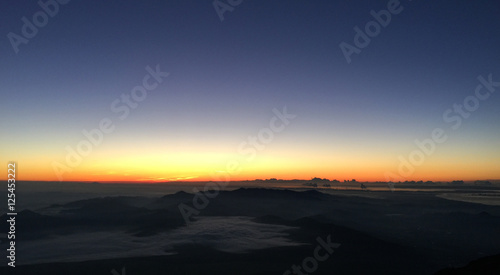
x,y
228,234
232,234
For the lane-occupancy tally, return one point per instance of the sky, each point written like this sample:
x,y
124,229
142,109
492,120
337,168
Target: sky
x,y
250,89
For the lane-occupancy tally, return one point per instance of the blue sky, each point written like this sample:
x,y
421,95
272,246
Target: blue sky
x,y
227,76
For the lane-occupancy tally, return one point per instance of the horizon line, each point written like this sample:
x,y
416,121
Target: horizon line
x,y
253,180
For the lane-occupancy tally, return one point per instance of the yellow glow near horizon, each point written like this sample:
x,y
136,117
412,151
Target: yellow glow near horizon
x,y
150,165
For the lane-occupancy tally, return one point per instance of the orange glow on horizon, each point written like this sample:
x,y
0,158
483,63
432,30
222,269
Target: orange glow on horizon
x,y
114,165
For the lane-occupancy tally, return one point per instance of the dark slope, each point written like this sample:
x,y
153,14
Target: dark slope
x,y
358,253
409,233
485,266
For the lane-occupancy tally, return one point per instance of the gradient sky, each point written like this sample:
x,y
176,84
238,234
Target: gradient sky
x,y
226,77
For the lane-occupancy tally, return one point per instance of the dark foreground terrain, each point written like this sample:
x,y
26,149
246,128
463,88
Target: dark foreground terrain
x,y
261,231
